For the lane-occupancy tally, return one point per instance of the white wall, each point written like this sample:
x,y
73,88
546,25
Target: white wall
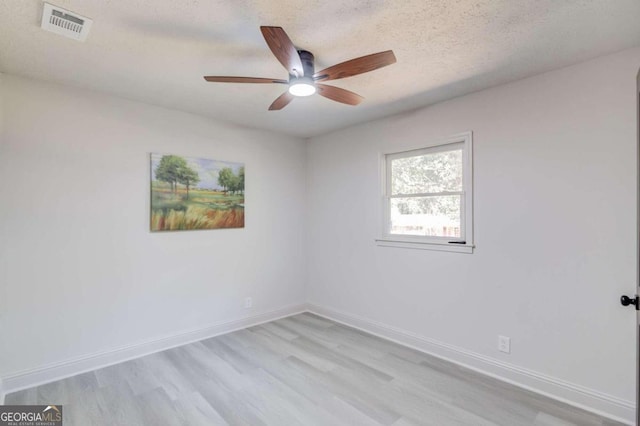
x,y
555,228
80,273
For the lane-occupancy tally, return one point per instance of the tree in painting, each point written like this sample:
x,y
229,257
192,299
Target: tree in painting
x,y
231,182
169,168
188,177
225,179
241,180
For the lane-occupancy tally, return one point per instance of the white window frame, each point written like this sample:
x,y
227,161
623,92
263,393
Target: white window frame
x,y
460,245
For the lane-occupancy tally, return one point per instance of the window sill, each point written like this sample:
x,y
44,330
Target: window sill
x,y
455,248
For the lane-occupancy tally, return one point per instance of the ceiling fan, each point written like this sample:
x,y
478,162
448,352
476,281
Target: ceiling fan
x,y
303,80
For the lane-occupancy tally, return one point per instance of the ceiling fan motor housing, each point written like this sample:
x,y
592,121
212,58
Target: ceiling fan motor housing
x,y
306,58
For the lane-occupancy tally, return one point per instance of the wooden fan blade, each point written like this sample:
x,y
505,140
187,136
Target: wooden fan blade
x,y
283,49
356,66
339,95
282,101
222,79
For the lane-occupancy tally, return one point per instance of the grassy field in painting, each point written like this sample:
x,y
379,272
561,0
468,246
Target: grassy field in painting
x,y
203,210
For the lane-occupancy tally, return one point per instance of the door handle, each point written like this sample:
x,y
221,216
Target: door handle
x,y
626,301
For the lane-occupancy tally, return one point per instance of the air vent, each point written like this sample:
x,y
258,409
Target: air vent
x,y
64,22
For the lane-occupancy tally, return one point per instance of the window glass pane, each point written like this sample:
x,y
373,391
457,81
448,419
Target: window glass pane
x,y
427,173
437,216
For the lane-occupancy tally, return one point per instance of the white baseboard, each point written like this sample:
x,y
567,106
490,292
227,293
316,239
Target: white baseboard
x,y
579,396
60,370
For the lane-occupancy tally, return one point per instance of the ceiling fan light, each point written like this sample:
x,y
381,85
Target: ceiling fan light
x,y
302,87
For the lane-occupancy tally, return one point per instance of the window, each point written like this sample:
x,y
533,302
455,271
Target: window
x,y
427,198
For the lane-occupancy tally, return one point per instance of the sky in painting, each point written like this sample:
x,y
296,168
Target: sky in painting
x,y
207,169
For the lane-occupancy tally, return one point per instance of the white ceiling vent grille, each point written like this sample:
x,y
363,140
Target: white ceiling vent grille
x,y
64,22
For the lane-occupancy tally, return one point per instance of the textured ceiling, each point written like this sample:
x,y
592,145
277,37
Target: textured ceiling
x,y
157,51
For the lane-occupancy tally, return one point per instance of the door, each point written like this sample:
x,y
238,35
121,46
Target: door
x,y
633,301
625,300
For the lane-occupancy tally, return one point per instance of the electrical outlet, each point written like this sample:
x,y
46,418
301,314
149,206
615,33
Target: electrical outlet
x,y
504,344
248,303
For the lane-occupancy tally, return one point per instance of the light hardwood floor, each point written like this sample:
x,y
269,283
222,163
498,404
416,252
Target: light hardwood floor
x,y
301,370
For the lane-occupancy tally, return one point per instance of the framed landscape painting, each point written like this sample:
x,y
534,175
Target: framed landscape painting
x,y
195,193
